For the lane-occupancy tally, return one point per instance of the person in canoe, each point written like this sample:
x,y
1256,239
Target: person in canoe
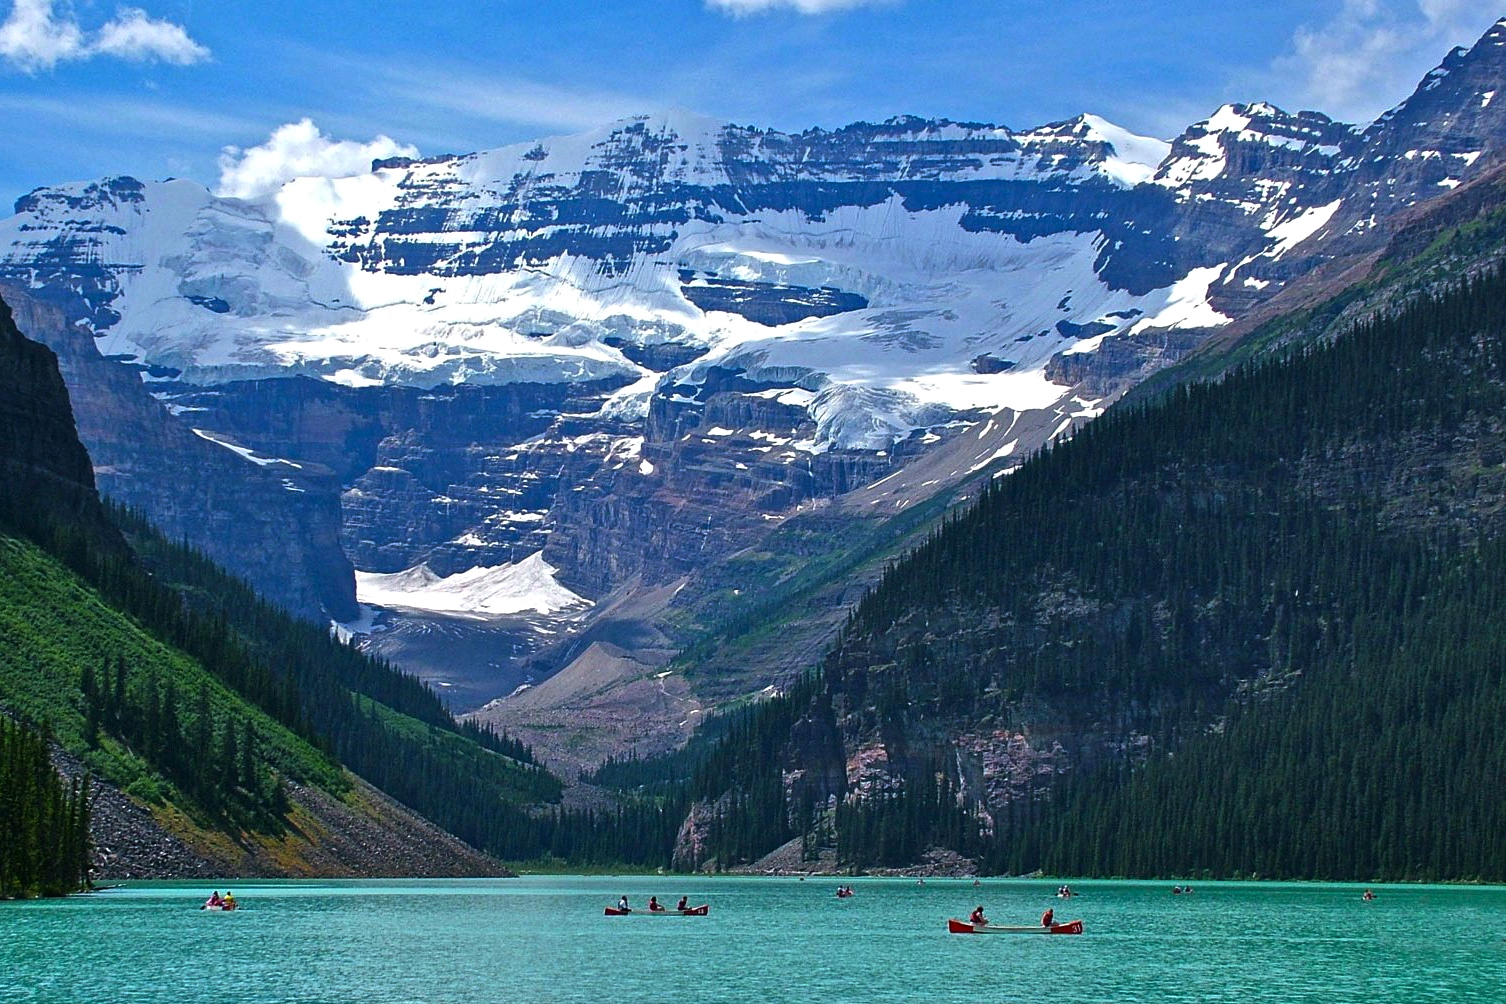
x,y
1368,896
622,904
684,904
976,918
213,902
654,906
1049,917
228,902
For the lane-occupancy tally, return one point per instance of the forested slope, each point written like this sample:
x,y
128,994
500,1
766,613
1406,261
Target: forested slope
x,y
1251,627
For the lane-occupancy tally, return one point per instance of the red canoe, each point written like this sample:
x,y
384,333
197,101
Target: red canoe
x,y
956,926
689,911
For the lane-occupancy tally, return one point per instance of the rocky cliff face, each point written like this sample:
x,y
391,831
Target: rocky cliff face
x,y
453,477
275,522
44,469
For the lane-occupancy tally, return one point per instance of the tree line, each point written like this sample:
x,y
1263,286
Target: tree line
x,y
44,819
211,756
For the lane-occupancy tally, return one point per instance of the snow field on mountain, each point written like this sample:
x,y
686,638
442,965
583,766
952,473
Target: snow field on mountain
x,y
939,297
527,586
1294,231
244,453
1135,157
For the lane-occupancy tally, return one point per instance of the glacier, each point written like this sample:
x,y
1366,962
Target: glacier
x,y
471,270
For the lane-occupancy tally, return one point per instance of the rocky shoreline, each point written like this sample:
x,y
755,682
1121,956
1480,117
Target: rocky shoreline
x,y
364,835
790,859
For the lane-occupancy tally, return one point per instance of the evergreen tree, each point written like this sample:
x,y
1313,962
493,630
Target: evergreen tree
x,y
44,845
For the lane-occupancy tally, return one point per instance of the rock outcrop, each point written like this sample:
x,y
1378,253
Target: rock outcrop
x,y
274,522
43,466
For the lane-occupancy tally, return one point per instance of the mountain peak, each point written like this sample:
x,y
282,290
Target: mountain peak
x,y
1113,151
1136,157
681,122
1207,149
1454,110
87,195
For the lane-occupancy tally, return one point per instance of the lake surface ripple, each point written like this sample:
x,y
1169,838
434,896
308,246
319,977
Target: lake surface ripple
x,y
544,939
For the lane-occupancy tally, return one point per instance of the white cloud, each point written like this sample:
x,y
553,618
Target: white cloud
x,y
32,39
739,7
135,36
35,37
1368,56
299,150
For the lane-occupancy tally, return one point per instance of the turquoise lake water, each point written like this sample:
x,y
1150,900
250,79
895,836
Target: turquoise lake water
x,y
545,939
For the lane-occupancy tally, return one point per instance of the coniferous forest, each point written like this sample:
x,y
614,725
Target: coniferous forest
x,y
1267,613
44,820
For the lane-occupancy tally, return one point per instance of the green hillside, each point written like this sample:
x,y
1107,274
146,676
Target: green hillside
x,y
792,584
141,714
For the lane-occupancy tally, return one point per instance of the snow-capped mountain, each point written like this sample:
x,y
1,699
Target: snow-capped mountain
x,y
635,346
870,266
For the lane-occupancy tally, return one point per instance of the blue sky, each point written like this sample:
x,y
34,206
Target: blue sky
x,y
160,88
